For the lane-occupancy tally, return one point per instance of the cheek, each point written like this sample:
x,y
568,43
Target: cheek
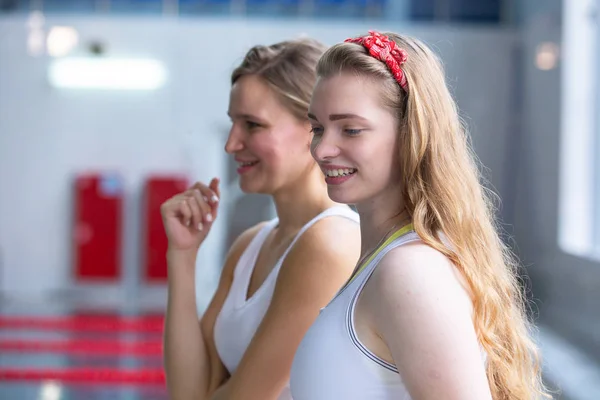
x,y
393,163
281,148
295,146
271,154
268,149
391,152
380,158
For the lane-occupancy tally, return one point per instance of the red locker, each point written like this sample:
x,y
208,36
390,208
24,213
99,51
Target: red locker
x,y
157,190
97,227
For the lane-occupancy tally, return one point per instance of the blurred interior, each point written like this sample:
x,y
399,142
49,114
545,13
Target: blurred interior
x,y
107,106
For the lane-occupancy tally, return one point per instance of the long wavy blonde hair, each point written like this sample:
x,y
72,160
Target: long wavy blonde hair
x,y
442,192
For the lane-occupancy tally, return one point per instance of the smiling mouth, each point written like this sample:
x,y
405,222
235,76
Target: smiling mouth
x,y
247,163
331,173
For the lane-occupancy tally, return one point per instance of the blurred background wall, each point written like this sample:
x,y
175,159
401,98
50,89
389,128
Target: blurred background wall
x,y
524,73
50,134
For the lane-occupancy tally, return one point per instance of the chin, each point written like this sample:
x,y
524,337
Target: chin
x,y
341,196
249,186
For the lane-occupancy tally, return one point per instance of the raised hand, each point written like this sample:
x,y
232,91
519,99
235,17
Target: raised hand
x,y
188,216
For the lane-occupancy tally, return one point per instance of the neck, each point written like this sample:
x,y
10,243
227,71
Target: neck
x,y
302,201
380,216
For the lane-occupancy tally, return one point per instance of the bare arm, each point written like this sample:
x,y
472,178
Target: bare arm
x,y
424,314
314,270
186,356
192,364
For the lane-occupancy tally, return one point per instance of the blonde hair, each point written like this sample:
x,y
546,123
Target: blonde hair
x,y
288,67
443,194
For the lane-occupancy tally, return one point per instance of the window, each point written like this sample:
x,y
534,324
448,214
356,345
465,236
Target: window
x,y
579,195
596,198
486,11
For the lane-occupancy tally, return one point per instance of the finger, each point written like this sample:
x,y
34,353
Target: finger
x,y
172,206
186,212
214,186
209,194
196,211
199,199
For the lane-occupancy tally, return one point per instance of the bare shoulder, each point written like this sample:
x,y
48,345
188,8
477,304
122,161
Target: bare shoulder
x,y
331,227
239,246
242,241
323,257
418,272
334,239
423,313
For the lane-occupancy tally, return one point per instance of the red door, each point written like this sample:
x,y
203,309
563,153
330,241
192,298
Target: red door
x,y
157,190
97,227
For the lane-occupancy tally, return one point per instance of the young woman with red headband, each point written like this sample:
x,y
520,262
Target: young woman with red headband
x,y
278,274
433,310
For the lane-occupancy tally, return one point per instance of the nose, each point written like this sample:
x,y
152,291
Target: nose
x,y
324,147
235,140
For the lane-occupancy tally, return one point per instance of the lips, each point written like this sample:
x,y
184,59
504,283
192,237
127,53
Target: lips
x,y
245,165
337,174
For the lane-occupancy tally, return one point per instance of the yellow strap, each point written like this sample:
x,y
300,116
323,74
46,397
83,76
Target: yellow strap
x,y
405,229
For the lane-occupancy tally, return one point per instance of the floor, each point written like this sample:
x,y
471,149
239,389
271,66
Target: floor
x,y
568,368
70,351
79,353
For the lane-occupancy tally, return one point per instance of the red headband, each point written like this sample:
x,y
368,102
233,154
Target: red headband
x,y
384,49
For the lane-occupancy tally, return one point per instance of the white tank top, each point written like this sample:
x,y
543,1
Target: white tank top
x,y
332,363
239,317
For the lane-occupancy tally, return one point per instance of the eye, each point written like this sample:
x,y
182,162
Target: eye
x,y
317,131
250,125
353,132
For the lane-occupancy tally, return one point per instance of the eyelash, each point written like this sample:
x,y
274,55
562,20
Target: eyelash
x,y
350,132
314,131
252,125
353,132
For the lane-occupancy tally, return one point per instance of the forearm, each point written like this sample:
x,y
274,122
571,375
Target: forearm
x,y
186,360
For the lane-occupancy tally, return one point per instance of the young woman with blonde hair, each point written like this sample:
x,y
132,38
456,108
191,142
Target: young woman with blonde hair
x,y
278,274
434,309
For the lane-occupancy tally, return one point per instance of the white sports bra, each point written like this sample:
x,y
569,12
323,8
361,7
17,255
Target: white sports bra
x,y
332,363
240,317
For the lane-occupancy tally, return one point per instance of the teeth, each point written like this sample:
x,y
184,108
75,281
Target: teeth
x,y
245,164
340,172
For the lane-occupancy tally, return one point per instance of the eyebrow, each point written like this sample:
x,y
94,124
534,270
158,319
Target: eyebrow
x,y
337,117
245,116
